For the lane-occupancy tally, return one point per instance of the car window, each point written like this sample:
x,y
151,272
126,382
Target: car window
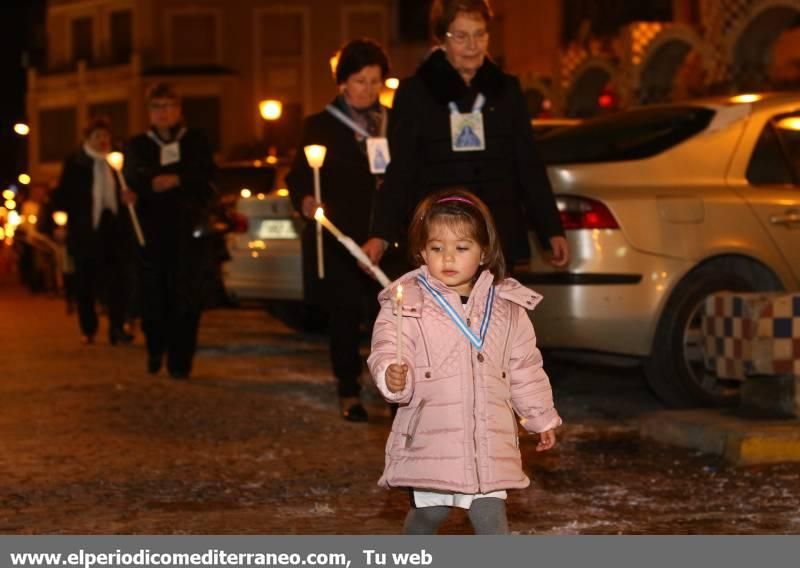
x,y
776,156
630,135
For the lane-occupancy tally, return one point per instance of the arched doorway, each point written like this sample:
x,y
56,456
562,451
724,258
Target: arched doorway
x,y
589,83
537,91
752,47
658,74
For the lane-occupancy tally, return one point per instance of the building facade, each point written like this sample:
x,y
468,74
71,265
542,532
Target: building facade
x,y
223,56
574,57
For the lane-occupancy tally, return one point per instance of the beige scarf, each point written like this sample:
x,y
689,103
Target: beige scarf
x,y
104,191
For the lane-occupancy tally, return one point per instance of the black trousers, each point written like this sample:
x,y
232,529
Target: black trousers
x,y
101,274
352,300
170,319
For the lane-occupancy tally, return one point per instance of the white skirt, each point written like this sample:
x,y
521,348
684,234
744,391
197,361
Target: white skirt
x,y
447,499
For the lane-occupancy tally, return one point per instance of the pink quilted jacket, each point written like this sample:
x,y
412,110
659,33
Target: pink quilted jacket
x,y
456,428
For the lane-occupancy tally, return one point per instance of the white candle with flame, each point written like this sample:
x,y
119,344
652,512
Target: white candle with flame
x,y
398,305
315,155
351,246
116,160
60,218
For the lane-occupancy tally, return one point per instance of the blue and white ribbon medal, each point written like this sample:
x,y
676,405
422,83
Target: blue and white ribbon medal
x,y
377,146
476,340
466,129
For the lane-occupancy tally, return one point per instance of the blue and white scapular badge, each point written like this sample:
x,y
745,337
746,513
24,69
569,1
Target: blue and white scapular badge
x,y
377,146
466,128
378,154
476,340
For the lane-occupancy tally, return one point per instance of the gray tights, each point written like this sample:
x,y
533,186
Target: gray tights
x,y
487,515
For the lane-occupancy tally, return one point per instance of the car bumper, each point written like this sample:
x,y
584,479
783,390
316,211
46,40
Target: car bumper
x,y
609,300
273,273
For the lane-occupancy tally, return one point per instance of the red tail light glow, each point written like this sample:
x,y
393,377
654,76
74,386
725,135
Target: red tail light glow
x,y
239,223
584,213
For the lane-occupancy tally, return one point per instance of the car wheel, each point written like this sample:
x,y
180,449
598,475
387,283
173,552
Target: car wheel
x,y
675,369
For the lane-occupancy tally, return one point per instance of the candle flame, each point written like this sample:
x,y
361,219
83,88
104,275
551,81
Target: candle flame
x,y
399,295
319,214
315,154
60,218
115,160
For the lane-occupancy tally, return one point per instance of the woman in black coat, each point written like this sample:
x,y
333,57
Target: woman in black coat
x,y
170,168
347,189
99,232
502,167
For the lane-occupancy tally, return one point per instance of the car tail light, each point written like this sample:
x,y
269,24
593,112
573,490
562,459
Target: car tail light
x,y
584,213
239,223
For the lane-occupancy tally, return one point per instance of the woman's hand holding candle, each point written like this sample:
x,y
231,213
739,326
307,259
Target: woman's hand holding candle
x,y
351,246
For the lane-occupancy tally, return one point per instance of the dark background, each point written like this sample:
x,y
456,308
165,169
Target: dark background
x,y
22,41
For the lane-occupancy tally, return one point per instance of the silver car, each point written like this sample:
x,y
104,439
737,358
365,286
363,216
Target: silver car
x,y
664,206
266,260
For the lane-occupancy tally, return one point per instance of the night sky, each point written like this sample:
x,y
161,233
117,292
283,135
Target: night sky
x,y
21,39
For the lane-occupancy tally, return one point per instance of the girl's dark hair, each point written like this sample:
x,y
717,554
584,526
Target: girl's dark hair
x,y
356,55
443,12
97,123
463,212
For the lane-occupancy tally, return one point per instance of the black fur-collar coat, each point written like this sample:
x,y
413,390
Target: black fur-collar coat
x,y
508,175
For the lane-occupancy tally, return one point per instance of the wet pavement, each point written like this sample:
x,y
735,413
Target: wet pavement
x,y
252,444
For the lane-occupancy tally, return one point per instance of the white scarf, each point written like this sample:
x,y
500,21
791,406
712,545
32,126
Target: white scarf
x,y
104,191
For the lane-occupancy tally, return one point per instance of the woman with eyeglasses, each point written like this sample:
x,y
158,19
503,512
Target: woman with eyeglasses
x,y
461,121
170,167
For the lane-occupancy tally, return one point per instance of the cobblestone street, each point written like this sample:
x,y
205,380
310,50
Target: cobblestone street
x,y
252,444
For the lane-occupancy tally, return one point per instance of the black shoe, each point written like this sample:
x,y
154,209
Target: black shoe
x,y
153,366
355,413
119,335
179,375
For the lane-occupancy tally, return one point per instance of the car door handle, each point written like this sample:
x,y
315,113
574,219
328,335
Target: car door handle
x,y
791,217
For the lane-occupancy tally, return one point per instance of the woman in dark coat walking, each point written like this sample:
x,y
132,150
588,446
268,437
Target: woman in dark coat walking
x,y
348,188
99,232
170,169
461,121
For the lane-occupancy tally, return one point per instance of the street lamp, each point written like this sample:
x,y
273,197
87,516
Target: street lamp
x,y
24,179
386,95
22,129
790,123
270,109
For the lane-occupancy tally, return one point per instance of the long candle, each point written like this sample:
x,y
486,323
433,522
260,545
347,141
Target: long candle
x,y
398,304
115,163
315,155
320,256
351,246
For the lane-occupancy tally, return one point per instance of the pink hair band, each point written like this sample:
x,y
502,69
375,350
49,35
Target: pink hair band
x,y
455,198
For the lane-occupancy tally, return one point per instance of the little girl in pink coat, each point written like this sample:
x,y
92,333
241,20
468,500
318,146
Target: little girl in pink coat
x,y
466,366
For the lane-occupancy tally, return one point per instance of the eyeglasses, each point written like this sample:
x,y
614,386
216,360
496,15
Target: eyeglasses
x,y
461,38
